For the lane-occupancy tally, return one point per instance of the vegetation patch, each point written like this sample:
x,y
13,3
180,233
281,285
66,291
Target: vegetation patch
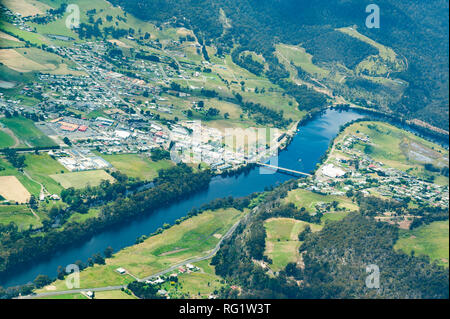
x,y
80,180
20,215
430,240
25,130
282,242
11,189
312,201
137,166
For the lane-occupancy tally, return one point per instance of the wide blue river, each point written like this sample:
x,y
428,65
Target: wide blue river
x,y
305,150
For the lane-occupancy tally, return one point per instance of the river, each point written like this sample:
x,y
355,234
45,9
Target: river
x,y
304,152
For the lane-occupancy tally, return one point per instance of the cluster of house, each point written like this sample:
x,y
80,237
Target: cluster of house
x,y
359,172
79,159
15,18
172,278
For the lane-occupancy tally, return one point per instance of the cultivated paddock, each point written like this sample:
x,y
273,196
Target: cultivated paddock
x,y
82,179
12,190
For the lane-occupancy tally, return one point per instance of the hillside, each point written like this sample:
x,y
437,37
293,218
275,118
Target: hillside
x,y
416,30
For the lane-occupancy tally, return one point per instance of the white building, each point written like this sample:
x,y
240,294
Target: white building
x,y
331,171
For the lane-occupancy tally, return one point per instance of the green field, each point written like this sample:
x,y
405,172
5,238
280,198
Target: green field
x,y
195,285
103,8
20,215
308,200
378,64
282,242
113,294
193,237
5,140
134,165
299,57
33,38
40,167
66,296
93,277
25,130
334,216
9,170
431,240
82,179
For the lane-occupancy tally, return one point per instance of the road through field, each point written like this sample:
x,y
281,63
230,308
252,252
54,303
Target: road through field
x,y
170,269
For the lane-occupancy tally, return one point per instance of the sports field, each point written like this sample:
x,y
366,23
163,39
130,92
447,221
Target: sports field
x,y
34,59
82,179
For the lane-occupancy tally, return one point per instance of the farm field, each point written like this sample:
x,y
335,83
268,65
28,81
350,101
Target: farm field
x,y
20,215
25,130
282,242
82,179
134,165
113,294
5,140
93,277
12,190
34,59
5,36
192,237
32,37
39,167
308,200
103,8
66,296
299,57
195,285
431,240
6,169
400,149
26,7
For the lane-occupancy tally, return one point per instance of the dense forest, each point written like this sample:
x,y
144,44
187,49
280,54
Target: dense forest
x,y
417,30
334,46
334,259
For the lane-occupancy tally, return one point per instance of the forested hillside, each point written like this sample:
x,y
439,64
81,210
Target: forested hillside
x,y
416,30
334,259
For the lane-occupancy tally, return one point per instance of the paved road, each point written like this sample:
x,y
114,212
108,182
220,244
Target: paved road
x,y
170,269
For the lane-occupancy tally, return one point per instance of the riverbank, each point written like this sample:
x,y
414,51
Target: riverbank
x,y
303,153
